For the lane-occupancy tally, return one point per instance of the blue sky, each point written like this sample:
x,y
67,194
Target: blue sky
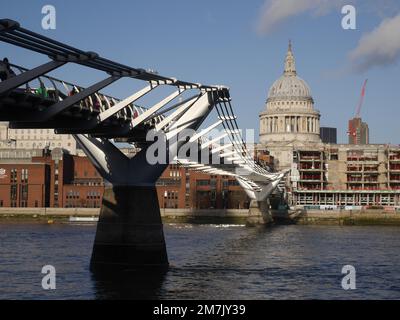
x,y
241,44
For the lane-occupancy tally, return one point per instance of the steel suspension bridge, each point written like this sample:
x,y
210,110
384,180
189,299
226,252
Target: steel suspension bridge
x,y
129,232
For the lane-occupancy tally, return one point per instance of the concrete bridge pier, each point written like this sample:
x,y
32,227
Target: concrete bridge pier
x,y
259,213
129,232
260,208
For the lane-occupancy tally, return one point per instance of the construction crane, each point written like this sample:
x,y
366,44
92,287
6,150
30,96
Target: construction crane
x,y
358,110
354,130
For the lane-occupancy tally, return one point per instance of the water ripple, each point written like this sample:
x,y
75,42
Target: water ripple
x,y
209,262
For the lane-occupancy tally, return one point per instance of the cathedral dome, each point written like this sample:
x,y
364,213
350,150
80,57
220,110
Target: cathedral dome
x,y
289,119
289,86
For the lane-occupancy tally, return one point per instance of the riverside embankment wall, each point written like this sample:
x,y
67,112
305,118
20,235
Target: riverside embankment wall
x,y
178,215
339,217
305,217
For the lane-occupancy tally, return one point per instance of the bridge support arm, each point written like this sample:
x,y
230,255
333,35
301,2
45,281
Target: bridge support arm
x,y
74,99
151,111
29,75
214,141
259,211
181,109
124,103
109,161
205,131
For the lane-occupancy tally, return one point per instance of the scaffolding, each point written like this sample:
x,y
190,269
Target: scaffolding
x,y
343,176
346,198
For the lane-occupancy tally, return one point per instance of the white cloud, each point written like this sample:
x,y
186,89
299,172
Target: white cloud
x,y
274,12
380,47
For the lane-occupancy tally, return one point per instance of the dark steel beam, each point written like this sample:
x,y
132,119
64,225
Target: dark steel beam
x,y
12,32
112,130
27,76
60,122
59,107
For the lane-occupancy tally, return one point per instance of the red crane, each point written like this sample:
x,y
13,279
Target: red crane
x,y
358,111
356,121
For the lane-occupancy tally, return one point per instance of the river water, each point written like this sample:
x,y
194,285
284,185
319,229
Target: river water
x,y
209,262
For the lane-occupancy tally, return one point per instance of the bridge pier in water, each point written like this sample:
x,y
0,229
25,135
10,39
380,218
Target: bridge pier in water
x,y
259,213
129,232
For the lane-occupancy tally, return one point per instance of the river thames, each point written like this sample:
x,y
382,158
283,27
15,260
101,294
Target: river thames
x,y
208,262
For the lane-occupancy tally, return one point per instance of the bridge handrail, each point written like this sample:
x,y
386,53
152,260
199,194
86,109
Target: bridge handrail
x,y
66,84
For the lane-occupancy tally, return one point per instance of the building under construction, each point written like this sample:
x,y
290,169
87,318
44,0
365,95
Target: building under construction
x,y
358,131
346,175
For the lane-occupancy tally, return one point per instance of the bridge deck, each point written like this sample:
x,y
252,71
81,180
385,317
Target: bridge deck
x,y
22,109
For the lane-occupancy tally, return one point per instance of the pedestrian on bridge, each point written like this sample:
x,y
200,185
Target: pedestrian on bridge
x,y
5,70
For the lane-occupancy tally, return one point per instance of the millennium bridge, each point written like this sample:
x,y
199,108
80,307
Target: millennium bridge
x,y
130,232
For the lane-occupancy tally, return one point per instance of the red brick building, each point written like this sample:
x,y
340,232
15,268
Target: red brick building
x,y
83,186
179,187
24,185
58,179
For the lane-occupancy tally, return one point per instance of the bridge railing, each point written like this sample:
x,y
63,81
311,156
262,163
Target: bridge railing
x,y
55,89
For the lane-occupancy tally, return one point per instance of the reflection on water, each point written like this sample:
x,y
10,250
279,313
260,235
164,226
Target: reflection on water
x,y
208,262
136,285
